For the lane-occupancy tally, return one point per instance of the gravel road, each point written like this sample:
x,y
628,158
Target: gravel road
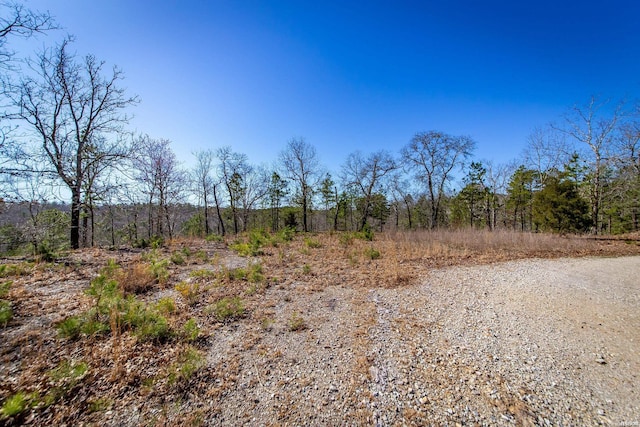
x,y
534,342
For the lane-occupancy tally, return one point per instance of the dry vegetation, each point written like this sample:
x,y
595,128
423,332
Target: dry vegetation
x,y
177,334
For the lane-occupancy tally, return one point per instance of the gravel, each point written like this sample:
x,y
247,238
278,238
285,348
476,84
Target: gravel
x,y
534,342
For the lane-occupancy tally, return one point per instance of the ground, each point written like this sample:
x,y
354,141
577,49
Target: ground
x,y
407,329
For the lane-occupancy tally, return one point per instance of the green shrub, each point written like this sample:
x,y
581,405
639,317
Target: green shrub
x,y
166,305
254,275
372,253
159,270
203,273
8,270
202,255
146,323
70,327
190,330
189,362
228,308
68,372
214,238
311,243
297,322
177,258
189,291
6,313
17,404
287,234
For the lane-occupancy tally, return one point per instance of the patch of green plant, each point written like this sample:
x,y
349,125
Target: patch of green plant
x,y
297,322
156,242
254,273
190,330
4,288
246,249
10,270
312,243
306,269
166,305
366,233
287,234
159,270
203,273
186,251
267,323
70,327
238,273
68,372
18,403
372,253
189,362
189,291
346,238
6,313
99,405
177,258
227,308
214,238
146,323
251,290
202,255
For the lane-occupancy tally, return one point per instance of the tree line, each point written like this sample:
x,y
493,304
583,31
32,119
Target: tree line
x,y
65,138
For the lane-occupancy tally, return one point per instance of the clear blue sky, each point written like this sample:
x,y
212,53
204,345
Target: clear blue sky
x,y
356,75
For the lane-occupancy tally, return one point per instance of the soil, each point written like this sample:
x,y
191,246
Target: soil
x,y
519,342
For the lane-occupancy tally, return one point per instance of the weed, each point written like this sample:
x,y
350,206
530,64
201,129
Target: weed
x,y
254,275
100,404
346,239
70,327
246,249
202,255
68,372
189,362
166,305
146,323
214,238
287,234
297,322
372,253
6,313
203,274
366,233
236,273
17,404
189,291
8,270
306,269
177,258
190,330
266,323
252,290
159,270
186,251
311,243
4,288
227,308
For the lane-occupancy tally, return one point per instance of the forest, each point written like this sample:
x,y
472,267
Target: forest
x,y
73,175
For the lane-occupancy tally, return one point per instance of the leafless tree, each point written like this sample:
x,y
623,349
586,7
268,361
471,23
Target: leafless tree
x,y
433,156
300,163
594,129
77,115
366,175
547,150
162,180
20,22
205,182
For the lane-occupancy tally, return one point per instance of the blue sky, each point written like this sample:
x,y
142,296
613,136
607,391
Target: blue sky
x,y
355,75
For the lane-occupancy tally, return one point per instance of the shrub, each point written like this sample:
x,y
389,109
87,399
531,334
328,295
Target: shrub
x,y
136,279
297,322
372,253
203,274
166,305
189,291
190,330
159,270
7,270
6,313
287,234
189,362
146,323
228,308
311,243
202,255
306,269
177,258
70,327
254,275
16,404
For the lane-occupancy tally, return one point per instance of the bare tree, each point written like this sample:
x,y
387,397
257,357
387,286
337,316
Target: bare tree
x,y
300,162
433,156
366,175
204,181
72,109
547,150
162,180
595,130
18,21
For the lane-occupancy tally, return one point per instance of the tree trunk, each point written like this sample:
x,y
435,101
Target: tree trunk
x,y
74,237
